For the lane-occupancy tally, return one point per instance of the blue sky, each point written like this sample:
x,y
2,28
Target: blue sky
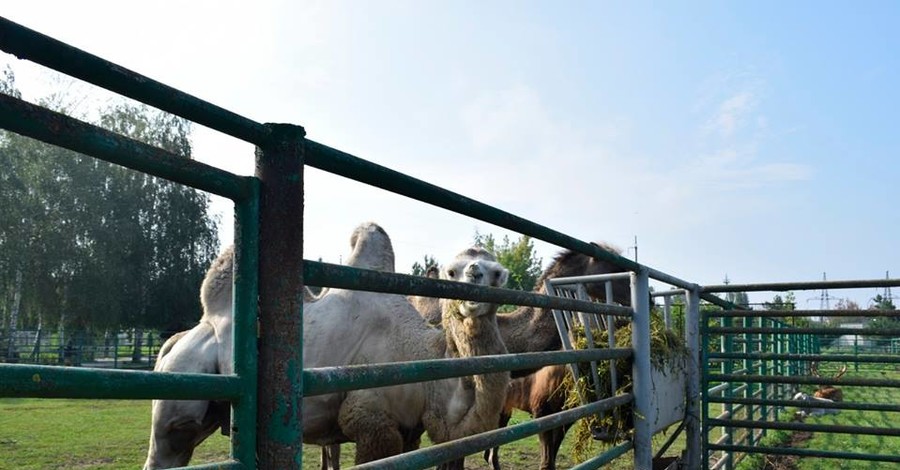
x,y
749,139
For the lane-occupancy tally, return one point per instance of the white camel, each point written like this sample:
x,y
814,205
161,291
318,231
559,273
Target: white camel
x,y
352,327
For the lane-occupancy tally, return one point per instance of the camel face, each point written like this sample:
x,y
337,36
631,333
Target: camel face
x,y
476,266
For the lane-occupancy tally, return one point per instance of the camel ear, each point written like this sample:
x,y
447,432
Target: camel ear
x,y
500,277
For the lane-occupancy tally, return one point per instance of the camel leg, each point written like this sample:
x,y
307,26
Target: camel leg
x,y
492,456
363,420
459,464
331,457
550,442
412,438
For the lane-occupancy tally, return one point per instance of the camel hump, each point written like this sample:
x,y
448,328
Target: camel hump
x,y
215,292
371,248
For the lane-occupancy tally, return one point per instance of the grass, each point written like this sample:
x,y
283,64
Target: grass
x,y
884,445
113,434
881,445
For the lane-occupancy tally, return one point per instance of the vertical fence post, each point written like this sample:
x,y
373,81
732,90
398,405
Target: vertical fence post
x,y
246,293
697,357
765,388
279,167
642,386
749,437
728,368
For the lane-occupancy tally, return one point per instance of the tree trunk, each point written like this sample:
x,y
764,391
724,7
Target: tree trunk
x,y
107,339
11,353
36,349
61,351
136,353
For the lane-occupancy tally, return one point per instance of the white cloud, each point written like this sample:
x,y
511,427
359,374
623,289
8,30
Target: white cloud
x,y
732,113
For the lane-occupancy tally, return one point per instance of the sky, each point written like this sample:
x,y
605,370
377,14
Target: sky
x,y
753,140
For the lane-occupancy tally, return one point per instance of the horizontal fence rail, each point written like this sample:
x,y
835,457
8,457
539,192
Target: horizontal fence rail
x,y
802,313
442,453
318,381
812,285
346,277
806,331
58,129
67,382
808,404
808,357
28,44
806,453
802,380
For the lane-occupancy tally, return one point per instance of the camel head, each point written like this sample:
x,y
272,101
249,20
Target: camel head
x,y
572,263
476,266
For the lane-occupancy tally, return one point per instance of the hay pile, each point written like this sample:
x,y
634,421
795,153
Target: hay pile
x,y
615,425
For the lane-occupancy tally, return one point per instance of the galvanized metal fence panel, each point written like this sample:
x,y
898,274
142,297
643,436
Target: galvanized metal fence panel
x,y
764,357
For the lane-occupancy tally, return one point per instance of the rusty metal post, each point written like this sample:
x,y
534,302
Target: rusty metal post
x,y
279,167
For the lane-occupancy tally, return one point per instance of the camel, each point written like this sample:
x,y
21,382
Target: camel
x,y
428,307
352,327
532,329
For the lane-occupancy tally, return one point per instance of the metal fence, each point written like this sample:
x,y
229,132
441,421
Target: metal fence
x,y
764,358
270,273
134,349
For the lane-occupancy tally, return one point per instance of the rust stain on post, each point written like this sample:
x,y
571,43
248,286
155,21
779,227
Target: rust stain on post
x,y
279,167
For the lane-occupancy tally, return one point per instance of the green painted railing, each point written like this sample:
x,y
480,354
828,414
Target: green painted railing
x,y
762,363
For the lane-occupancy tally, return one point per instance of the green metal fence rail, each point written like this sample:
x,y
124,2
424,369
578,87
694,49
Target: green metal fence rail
x,y
762,364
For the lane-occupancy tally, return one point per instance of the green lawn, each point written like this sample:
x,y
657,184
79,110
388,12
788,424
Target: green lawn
x,y
110,434
859,443
845,442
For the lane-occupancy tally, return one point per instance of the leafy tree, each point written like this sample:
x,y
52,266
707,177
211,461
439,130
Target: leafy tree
x,y
738,298
93,245
519,257
420,269
778,303
883,303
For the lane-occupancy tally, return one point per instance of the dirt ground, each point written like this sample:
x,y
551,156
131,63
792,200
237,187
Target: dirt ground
x,y
787,462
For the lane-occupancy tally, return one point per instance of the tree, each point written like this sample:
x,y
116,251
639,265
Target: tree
x,y
883,303
420,269
778,303
93,245
519,257
738,298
